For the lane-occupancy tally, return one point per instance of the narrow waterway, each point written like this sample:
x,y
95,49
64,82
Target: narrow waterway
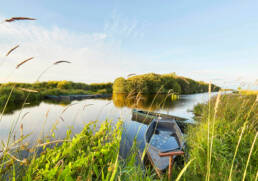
x,y
44,119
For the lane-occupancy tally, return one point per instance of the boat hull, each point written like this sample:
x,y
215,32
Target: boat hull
x,y
146,117
162,136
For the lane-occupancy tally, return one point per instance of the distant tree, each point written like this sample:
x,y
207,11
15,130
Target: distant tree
x,y
156,83
120,85
64,85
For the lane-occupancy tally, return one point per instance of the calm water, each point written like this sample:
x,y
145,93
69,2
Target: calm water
x,y
41,119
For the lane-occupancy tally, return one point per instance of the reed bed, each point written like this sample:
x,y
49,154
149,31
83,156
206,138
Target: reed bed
x,y
231,141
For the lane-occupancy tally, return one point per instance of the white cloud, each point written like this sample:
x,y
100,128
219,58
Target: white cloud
x,y
93,57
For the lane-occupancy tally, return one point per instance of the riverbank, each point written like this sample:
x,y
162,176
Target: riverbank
x,y
70,98
16,94
233,114
223,146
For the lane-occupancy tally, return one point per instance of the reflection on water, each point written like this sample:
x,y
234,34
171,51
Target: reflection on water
x,y
10,109
151,102
45,117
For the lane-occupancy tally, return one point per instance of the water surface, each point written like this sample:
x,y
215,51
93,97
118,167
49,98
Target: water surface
x,y
45,118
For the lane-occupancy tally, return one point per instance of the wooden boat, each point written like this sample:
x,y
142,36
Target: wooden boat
x,y
164,141
147,117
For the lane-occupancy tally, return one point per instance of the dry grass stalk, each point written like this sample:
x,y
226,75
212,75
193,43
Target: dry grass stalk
x,y
61,61
208,136
25,115
213,124
62,118
12,19
217,104
53,142
23,62
11,50
28,90
47,113
21,128
249,156
108,103
209,87
13,157
59,163
55,63
236,150
68,107
129,75
86,105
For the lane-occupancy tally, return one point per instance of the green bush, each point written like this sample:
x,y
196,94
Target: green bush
x,y
17,96
87,156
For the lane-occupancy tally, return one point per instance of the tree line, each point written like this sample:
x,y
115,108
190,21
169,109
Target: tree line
x,y
16,93
152,83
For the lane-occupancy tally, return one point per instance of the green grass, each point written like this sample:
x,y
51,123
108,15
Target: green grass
x,y
248,92
235,123
87,156
14,94
91,155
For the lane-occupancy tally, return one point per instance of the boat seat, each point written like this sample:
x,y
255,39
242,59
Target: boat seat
x,y
164,142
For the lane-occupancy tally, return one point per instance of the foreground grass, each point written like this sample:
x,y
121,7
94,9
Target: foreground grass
x,y
224,144
88,156
91,155
249,92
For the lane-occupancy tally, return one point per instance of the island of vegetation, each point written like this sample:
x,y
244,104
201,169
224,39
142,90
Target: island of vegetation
x,y
16,93
152,83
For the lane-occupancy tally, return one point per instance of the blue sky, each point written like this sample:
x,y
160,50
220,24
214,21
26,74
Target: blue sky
x,y
205,40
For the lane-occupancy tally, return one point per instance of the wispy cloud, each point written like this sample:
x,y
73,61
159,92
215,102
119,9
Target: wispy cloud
x,y
121,27
94,57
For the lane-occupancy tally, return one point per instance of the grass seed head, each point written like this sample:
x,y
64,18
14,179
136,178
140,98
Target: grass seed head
x,y
12,19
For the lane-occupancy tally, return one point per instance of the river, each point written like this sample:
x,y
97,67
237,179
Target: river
x,y
44,119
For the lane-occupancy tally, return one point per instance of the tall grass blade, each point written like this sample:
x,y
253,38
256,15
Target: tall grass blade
x,y
6,103
208,135
213,125
115,169
249,156
184,169
238,143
